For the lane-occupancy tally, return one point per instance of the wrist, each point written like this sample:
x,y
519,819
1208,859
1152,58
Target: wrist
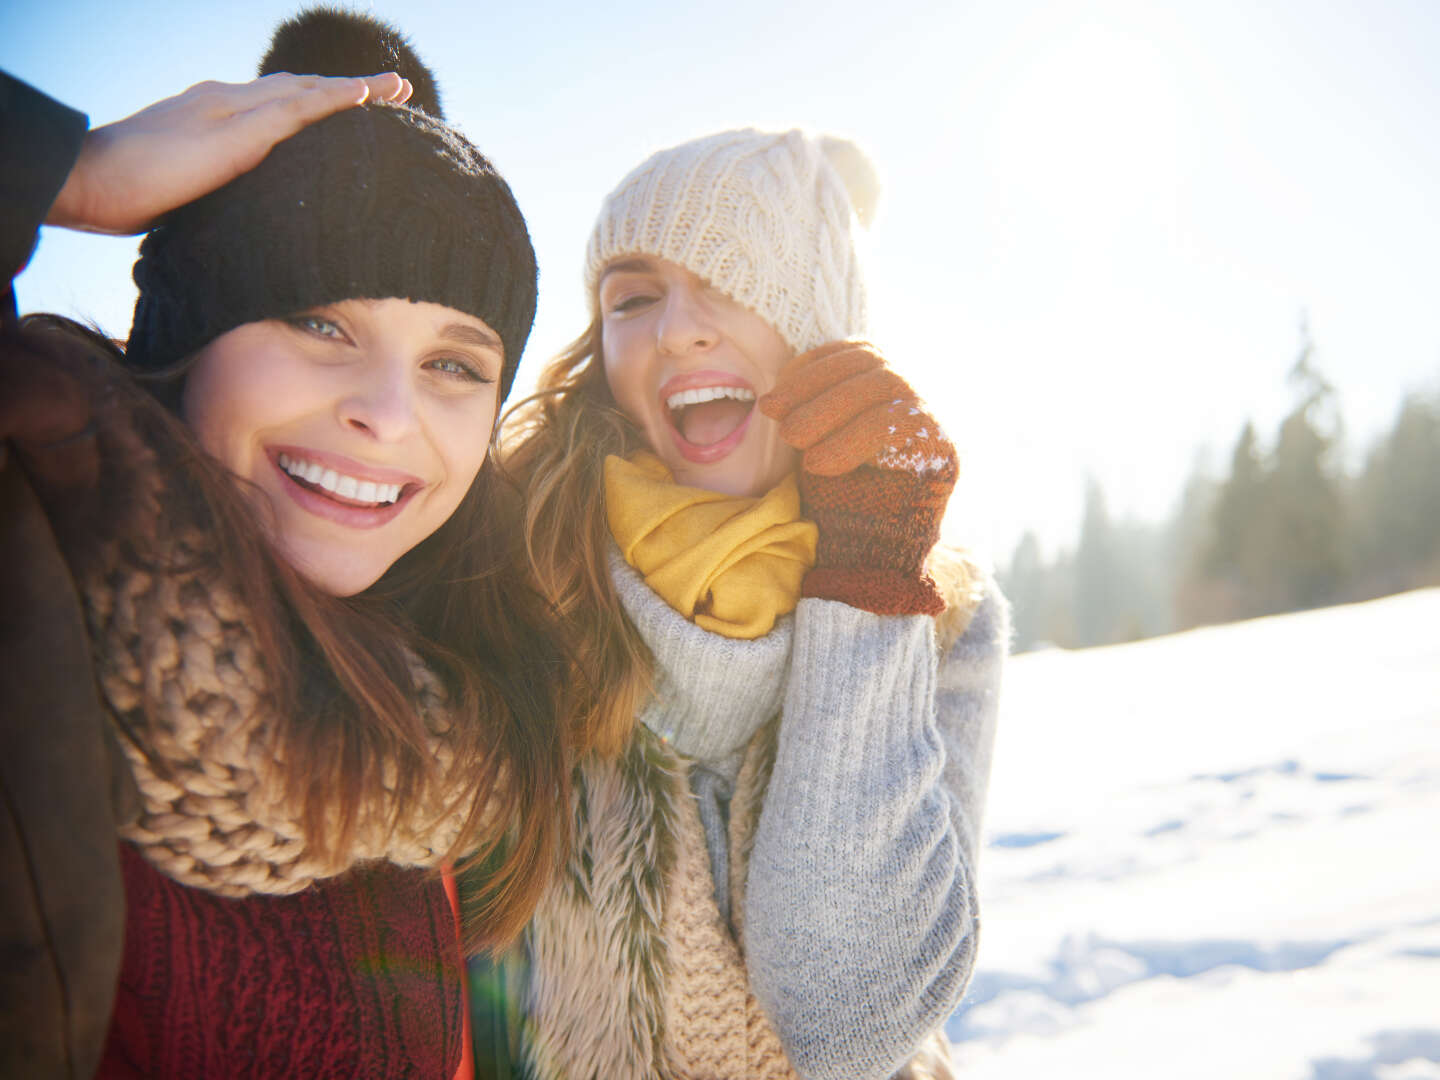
x,y
881,592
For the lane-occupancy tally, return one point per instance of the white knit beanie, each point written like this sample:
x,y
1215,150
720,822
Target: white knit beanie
x,y
766,218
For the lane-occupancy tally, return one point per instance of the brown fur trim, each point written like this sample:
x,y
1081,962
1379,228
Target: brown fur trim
x,y
597,953
961,581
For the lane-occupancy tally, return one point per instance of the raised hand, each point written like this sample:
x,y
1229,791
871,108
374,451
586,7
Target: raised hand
x,y
132,171
875,478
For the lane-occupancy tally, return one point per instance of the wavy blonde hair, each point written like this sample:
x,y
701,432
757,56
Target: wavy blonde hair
x,y
554,444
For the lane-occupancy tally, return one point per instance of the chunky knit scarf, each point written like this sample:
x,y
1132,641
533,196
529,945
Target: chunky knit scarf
x,y
731,564
209,766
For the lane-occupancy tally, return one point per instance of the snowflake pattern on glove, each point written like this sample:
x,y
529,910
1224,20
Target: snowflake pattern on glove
x,y
875,477
844,408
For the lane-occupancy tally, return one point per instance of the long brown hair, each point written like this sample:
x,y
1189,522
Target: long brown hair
x,y
555,443
338,669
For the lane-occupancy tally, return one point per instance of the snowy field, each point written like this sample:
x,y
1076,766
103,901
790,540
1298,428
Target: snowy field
x,y
1217,855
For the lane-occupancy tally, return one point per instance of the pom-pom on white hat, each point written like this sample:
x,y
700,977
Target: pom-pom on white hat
x,y
767,218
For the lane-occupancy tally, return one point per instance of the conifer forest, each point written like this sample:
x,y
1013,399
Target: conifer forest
x,y
1287,527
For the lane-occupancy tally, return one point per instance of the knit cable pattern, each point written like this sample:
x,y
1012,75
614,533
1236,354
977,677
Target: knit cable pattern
x,y
715,1027
764,217
208,760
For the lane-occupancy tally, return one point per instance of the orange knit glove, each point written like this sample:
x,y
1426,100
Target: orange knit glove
x,y
875,477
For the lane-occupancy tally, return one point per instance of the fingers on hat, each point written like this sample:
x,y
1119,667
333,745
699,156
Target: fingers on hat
x,y
836,407
282,86
811,373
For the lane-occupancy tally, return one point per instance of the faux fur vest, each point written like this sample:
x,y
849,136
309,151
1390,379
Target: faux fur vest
x,y
632,970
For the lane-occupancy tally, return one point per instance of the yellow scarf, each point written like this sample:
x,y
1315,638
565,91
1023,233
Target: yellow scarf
x,y
730,564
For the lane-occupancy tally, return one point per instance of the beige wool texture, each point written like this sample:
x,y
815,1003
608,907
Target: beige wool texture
x,y
767,218
207,757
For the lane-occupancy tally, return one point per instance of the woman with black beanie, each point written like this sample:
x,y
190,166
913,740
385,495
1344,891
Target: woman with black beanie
x,y
259,616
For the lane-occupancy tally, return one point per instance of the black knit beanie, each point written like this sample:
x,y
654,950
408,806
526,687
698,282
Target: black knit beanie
x,y
373,202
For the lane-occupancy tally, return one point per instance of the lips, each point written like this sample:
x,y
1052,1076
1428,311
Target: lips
x,y
342,490
708,413
343,486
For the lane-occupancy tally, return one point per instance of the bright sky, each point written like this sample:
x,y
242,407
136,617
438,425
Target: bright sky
x,y
1100,226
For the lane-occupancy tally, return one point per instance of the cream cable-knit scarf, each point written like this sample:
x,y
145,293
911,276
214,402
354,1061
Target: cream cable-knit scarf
x,y
210,771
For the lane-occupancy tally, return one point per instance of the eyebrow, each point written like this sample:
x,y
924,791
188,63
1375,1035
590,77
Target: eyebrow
x,y
633,266
465,334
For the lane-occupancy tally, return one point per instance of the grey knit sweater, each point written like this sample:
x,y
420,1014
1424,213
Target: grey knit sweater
x,y
860,908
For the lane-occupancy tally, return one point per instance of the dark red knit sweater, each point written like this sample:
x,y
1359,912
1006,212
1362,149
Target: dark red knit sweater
x,y
359,976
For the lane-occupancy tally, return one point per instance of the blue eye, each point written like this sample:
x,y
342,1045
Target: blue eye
x,y
315,324
460,369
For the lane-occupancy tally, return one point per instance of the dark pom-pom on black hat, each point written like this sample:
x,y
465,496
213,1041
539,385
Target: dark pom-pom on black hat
x,y
373,202
332,41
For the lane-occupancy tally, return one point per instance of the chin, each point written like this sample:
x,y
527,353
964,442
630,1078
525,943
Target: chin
x,y
719,481
731,477
332,576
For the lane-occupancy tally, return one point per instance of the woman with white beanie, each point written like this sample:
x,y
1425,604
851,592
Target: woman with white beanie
x,y
772,870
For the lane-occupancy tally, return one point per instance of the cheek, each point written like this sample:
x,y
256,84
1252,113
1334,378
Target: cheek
x,y
213,408
772,354
239,386
625,377
462,442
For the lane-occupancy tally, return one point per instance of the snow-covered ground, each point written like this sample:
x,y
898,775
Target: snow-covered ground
x,y
1217,854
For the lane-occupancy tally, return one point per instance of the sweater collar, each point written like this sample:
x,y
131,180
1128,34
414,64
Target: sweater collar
x,y
712,693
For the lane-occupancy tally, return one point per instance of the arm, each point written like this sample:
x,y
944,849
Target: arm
x,y
39,142
63,787
120,177
861,911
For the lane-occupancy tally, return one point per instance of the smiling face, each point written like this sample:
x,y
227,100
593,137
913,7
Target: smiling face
x,y
360,424
686,365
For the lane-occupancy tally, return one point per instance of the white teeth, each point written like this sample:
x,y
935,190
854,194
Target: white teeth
x,y
347,487
708,393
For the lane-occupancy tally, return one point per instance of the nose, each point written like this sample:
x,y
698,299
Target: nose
x,y
381,401
685,323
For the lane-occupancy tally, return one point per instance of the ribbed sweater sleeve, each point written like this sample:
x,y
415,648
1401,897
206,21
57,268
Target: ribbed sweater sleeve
x,y
861,916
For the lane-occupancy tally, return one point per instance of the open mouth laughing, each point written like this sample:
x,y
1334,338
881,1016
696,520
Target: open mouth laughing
x,y
708,413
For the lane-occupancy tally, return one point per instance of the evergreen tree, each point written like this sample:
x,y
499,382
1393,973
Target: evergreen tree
x,y
1396,500
1099,590
1024,585
1303,552
1231,580
1185,540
